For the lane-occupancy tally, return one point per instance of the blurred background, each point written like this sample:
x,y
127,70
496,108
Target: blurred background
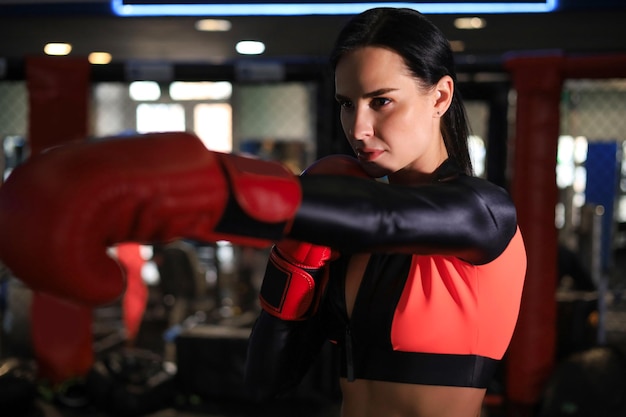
x,y
545,88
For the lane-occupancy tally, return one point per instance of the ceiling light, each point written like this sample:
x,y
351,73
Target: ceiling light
x,y
250,47
213,25
57,48
235,8
470,23
99,58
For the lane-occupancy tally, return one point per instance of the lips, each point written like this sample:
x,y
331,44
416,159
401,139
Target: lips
x,y
368,155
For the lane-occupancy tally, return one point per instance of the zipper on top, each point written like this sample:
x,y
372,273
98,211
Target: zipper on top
x,y
349,355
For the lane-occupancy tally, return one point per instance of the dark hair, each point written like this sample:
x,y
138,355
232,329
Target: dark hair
x,y
426,53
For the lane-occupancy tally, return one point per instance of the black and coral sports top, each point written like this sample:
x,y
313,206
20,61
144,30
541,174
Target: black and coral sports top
x,y
440,296
427,319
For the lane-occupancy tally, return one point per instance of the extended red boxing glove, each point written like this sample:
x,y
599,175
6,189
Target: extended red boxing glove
x,y
296,273
62,209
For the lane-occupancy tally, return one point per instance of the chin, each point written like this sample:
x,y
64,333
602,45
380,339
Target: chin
x,y
376,171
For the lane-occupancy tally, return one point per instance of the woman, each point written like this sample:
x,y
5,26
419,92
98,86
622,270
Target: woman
x,y
425,274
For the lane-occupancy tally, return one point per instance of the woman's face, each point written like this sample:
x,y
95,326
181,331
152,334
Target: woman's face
x,y
390,120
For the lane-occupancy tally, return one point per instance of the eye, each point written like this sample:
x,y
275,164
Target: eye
x,y
345,104
379,102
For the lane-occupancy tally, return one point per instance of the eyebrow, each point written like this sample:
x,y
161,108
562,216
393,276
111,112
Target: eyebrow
x,y
375,93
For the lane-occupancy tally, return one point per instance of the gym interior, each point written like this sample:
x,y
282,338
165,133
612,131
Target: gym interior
x,y
546,98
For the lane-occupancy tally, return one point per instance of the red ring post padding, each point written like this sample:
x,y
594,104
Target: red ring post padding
x,y
58,89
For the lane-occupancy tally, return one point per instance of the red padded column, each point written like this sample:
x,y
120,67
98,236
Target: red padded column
x,y
530,360
58,94
58,91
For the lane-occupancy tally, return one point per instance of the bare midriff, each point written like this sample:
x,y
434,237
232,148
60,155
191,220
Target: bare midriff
x,y
365,398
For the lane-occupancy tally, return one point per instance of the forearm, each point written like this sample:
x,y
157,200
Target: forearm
x,y
279,354
463,217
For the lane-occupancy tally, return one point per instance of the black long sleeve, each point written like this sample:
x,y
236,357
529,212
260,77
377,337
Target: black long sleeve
x,y
463,216
279,354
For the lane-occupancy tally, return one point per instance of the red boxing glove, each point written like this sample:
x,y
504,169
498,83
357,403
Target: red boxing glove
x,y
295,277
62,209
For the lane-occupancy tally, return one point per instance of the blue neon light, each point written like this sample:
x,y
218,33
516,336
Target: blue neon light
x,y
302,9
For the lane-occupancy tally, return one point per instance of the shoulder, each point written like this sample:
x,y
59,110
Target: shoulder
x,y
449,173
481,184
493,213
475,193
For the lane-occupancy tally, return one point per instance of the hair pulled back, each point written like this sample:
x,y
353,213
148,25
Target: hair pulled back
x,y
426,53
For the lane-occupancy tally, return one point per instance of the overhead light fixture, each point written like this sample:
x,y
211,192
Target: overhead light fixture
x,y
57,48
209,8
250,47
213,25
470,23
99,58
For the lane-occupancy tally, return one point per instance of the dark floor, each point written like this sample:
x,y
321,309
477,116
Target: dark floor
x,y
45,409
197,348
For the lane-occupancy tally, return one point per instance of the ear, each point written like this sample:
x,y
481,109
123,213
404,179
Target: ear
x,y
443,92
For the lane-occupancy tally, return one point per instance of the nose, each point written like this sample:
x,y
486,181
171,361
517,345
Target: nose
x,y
358,124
